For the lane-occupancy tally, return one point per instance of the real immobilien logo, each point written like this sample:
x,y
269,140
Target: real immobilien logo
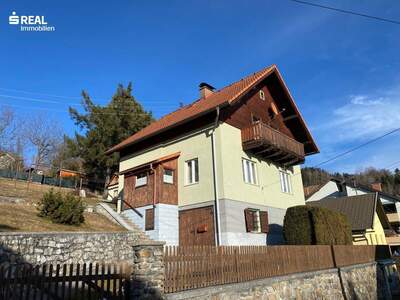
x,y
30,23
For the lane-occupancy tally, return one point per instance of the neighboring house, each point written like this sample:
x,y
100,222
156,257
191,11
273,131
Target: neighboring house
x,y
65,173
339,188
39,169
112,188
365,214
7,160
222,170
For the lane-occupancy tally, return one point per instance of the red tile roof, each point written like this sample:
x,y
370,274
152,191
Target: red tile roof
x,y
226,95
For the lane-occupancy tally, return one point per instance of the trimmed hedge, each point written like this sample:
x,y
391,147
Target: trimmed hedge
x,y
308,225
62,208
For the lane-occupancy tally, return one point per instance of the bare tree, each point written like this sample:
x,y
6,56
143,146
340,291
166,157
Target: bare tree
x,y
6,127
44,135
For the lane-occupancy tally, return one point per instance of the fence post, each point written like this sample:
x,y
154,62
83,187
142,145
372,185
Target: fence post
x,y
148,271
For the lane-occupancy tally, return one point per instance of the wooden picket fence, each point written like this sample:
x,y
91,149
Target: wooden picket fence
x,y
202,266
60,282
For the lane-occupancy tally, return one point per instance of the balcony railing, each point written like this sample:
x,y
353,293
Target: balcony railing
x,y
265,141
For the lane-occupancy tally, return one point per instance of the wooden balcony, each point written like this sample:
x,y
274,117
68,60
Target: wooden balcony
x,y
271,144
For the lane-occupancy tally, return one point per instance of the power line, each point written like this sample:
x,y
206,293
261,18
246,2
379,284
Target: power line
x,y
70,103
343,153
347,11
357,147
392,165
64,111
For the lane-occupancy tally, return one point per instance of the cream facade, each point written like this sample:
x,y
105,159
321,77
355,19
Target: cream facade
x,y
234,194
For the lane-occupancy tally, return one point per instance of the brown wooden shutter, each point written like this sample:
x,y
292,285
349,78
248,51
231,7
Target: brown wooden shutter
x,y
149,219
264,221
249,218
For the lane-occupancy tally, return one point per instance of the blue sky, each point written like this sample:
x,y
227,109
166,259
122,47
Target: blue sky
x,y
342,70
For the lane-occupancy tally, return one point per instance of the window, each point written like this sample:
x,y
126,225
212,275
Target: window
x,y
149,219
286,185
141,179
262,95
249,171
271,113
256,220
254,119
192,171
168,176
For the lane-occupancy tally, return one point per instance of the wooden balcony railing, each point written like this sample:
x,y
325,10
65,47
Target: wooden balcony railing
x,y
272,144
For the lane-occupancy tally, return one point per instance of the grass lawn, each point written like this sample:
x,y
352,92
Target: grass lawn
x,y
23,216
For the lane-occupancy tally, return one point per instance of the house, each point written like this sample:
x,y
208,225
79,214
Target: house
x,y
337,188
365,214
7,160
65,173
220,171
112,188
39,169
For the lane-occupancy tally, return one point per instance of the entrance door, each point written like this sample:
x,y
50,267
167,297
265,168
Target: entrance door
x,y
196,227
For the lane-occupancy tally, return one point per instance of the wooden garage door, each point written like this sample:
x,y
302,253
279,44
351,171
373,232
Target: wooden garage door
x,y
196,227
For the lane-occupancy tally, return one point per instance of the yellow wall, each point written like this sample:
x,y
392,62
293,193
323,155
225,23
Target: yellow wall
x,y
194,145
375,236
229,169
268,190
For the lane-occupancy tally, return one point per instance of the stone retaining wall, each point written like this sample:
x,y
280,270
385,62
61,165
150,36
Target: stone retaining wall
x,y
71,247
359,282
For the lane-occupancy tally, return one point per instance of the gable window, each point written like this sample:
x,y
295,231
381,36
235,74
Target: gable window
x,y
141,179
256,220
192,171
286,184
254,119
262,95
249,171
168,176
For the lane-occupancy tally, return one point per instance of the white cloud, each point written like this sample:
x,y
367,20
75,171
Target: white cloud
x,y
361,118
364,116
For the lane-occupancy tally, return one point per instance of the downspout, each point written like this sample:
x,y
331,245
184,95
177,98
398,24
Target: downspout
x,y
215,181
154,184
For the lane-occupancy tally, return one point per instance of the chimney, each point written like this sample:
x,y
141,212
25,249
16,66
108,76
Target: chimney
x,y
205,90
377,186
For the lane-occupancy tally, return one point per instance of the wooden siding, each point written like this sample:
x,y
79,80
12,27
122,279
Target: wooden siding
x,y
164,192
196,227
241,114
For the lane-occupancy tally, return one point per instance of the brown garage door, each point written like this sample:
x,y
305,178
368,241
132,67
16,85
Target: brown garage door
x,y
196,227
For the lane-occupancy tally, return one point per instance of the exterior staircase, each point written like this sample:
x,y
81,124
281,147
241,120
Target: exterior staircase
x,y
109,212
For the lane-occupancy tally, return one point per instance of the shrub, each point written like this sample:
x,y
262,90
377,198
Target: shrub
x,y
63,209
308,225
297,226
331,227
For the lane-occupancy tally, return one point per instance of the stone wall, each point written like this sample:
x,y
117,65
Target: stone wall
x,y
365,281
148,271
358,282
39,248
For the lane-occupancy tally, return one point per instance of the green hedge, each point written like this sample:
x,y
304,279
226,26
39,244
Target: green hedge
x,y
307,225
62,208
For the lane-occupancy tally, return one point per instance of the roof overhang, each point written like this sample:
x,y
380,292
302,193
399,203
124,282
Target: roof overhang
x,y
237,97
149,163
